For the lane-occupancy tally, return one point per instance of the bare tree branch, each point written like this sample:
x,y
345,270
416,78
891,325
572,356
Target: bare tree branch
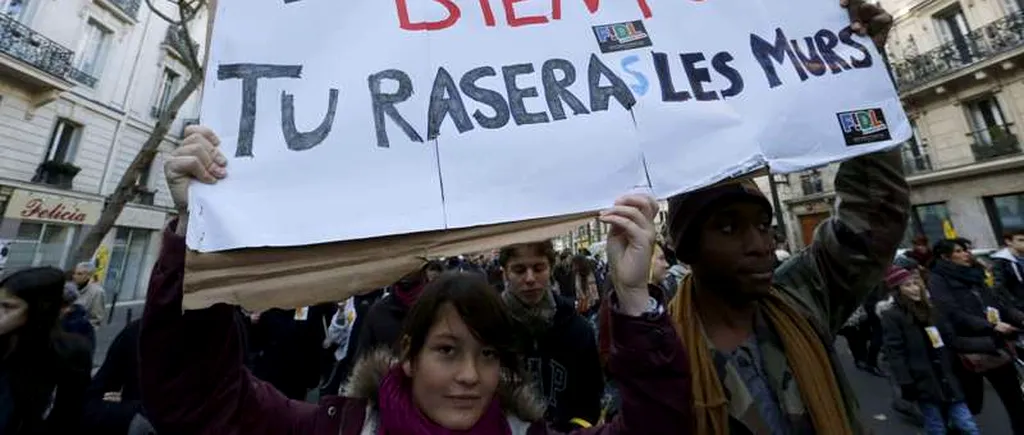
x,y
127,188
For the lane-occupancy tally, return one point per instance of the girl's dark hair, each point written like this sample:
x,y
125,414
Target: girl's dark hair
x,y
433,265
478,305
944,248
43,289
582,266
42,353
670,255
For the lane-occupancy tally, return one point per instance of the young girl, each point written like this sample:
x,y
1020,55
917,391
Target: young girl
x,y
455,371
43,371
920,346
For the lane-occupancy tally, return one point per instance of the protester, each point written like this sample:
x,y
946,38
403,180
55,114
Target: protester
x,y
91,295
761,346
584,276
432,270
74,319
919,346
287,348
921,252
384,320
113,402
958,285
456,369
559,345
43,370
1008,266
339,335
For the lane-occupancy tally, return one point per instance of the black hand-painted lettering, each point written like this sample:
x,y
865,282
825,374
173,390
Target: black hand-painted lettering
x,y
557,90
765,52
516,95
846,36
721,64
812,60
446,101
250,73
298,141
827,43
697,76
493,99
668,89
600,96
384,103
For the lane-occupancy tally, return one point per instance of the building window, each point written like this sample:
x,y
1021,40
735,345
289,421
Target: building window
x,y
953,30
92,52
39,244
168,86
127,258
990,133
64,142
1006,212
915,157
930,220
811,182
17,9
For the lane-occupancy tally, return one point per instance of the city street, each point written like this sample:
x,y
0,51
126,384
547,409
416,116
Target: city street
x,y
876,400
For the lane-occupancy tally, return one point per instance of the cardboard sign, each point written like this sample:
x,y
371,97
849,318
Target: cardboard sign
x,y
367,118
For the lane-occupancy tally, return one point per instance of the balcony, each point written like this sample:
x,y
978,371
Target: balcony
x,y
82,77
994,142
176,40
34,60
144,195
987,42
54,173
916,164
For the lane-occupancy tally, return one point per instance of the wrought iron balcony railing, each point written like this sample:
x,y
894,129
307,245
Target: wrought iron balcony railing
x,y
21,42
918,164
82,77
129,7
811,184
994,142
983,43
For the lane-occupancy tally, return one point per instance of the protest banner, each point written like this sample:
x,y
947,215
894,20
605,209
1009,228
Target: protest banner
x,y
363,119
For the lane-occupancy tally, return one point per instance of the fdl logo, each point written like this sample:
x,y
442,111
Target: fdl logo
x,y
622,36
864,126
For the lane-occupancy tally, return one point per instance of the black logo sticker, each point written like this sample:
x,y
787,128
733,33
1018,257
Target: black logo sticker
x,y
622,36
864,126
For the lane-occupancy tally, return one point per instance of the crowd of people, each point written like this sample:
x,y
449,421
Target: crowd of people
x,y
710,329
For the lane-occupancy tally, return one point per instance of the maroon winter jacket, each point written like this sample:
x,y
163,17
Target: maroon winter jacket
x,y
193,380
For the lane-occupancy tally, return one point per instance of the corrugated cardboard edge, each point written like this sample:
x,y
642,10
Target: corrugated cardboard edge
x,y
263,278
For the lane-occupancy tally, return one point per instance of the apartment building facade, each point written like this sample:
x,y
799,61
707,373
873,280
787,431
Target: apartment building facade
x,y
82,83
959,69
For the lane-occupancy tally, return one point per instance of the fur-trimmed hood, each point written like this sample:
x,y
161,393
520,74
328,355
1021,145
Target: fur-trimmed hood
x,y
517,398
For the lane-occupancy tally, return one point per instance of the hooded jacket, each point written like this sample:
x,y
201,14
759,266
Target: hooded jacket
x,y
193,380
566,367
1008,270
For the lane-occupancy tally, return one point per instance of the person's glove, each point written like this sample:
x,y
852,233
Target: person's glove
x,y
140,426
908,392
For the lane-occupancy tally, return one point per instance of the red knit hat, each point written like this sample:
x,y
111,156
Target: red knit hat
x,y
896,276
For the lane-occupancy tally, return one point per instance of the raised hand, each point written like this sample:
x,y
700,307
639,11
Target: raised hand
x,y
630,248
197,158
869,19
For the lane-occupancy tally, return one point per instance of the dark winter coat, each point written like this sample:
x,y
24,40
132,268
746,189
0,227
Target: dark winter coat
x,y
564,362
76,321
119,373
960,291
53,387
914,362
193,380
381,326
287,351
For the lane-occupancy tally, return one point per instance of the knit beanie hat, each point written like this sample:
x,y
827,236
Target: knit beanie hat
x,y
688,211
896,276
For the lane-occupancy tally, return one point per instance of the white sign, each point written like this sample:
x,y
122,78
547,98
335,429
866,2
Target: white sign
x,y
364,118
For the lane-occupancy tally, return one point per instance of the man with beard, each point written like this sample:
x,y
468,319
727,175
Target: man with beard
x,y
920,345
558,346
760,342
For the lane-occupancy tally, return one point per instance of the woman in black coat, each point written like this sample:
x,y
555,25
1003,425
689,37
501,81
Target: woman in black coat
x,y
921,348
958,284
